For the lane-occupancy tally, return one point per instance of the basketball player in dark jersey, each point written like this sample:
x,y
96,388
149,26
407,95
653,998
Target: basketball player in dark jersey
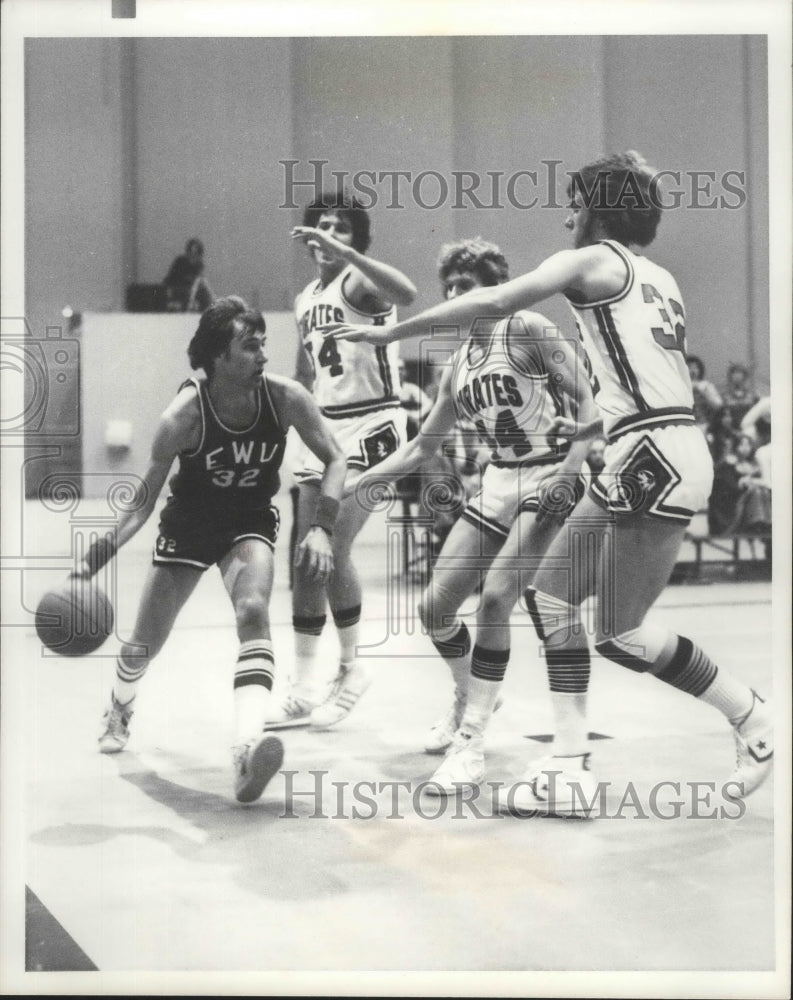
x,y
658,472
228,432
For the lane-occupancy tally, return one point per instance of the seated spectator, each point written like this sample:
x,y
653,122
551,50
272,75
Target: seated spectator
x,y
740,502
185,284
707,401
757,421
738,396
721,434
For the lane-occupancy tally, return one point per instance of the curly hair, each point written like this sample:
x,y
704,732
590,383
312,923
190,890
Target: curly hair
x,y
217,327
474,256
621,192
346,207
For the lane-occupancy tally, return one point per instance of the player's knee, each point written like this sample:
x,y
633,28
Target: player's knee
x,y
251,612
636,648
497,600
551,615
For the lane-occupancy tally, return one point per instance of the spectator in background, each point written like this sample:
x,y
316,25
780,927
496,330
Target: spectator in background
x,y
185,284
707,400
721,434
741,501
738,396
414,401
757,421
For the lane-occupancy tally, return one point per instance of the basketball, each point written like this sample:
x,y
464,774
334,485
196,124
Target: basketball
x,y
75,619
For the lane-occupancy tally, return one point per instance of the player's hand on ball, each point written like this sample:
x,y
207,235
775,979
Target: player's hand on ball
x,y
315,554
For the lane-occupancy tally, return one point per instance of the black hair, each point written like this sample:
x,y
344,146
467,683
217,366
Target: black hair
x,y
217,327
620,191
474,256
194,242
346,207
693,359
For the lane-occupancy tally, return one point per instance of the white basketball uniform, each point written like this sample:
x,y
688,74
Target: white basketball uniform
x,y
503,387
657,460
356,386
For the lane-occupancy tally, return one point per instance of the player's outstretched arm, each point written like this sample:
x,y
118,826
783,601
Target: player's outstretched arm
x,y
562,272
177,431
374,277
300,410
422,447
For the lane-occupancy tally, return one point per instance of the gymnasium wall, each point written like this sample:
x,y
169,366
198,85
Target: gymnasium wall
x,y
134,145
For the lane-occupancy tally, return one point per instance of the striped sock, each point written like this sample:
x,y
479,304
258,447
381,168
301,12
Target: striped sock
x,y
253,681
694,672
488,667
346,623
128,675
568,680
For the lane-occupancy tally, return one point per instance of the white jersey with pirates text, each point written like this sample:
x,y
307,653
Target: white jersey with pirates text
x,y
349,379
502,385
635,343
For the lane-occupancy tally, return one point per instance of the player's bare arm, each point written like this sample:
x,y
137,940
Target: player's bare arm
x,y
586,274
422,447
296,408
178,430
374,284
304,370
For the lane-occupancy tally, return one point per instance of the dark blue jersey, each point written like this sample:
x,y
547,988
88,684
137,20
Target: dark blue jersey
x,y
231,470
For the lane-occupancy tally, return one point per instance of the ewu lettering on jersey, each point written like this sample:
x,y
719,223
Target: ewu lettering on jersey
x,y
635,342
501,384
231,469
349,379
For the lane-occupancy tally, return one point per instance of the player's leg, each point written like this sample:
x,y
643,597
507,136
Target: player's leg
x,y
511,571
309,601
464,559
647,550
166,589
344,598
247,572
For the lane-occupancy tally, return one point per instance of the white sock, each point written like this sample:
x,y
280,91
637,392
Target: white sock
x,y
303,677
570,723
129,673
731,697
253,680
348,641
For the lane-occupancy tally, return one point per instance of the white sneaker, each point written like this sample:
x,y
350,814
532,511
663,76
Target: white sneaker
x,y
440,736
255,762
350,684
463,767
442,733
116,722
555,786
292,711
754,745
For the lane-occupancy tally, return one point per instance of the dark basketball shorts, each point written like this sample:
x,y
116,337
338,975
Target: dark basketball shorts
x,y
203,538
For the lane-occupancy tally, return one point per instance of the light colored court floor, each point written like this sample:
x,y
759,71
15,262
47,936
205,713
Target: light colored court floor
x,y
148,863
